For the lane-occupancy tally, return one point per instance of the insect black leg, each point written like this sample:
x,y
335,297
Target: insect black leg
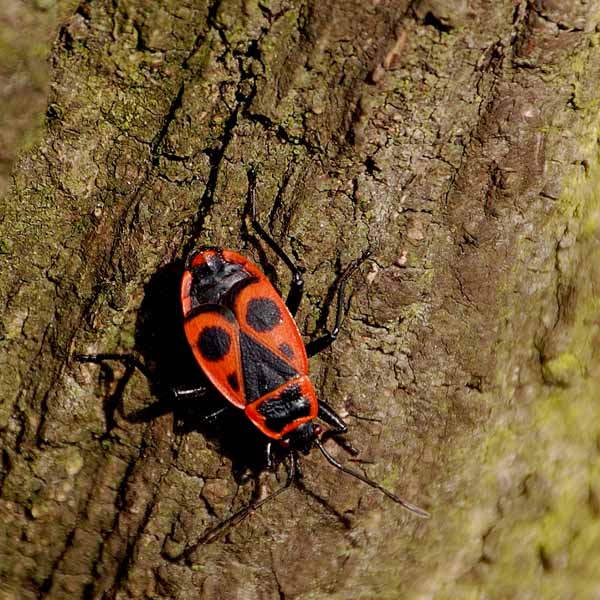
x,y
297,286
239,516
113,401
215,415
185,393
133,362
269,456
129,360
199,393
325,341
329,416
371,482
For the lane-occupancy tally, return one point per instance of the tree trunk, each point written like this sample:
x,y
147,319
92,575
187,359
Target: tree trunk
x,y
458,141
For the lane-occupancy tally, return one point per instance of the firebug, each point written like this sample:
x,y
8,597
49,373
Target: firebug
x,y
244,338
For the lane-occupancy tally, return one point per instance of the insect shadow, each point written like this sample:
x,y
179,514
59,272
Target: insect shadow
x,y
162,353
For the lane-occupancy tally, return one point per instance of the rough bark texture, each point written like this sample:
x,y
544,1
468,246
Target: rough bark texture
x,y
459,142
25,32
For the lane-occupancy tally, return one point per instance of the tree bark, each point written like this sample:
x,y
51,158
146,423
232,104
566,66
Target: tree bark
x,y
459,143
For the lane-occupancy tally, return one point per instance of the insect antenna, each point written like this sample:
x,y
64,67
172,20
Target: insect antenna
x,y
407,505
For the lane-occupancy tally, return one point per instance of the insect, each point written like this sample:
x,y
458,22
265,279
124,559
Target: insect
x,y
245,340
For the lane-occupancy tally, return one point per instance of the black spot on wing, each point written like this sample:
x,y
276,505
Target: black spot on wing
x,y
214,343
263,314
232,380
263,370
284,408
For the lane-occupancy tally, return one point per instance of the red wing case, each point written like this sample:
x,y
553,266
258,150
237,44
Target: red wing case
x,y
263,316
214,336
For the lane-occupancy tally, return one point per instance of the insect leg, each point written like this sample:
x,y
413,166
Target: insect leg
x,y
239,516
131,361
185,393
371,482
297,285
326,340
112,403
269,456
329,416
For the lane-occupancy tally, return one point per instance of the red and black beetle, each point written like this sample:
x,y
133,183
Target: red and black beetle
x,y
245,340
244,337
